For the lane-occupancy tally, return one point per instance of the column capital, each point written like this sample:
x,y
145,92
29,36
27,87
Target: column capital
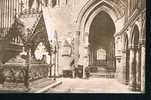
x,y
135,46
131,47
142,43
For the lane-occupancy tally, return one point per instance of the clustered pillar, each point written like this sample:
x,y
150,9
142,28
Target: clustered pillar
x,y
143,67
137,67
132,82
76,51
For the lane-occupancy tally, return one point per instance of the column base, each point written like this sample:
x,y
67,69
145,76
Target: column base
x,y
132,88
143,89
126,82
138,87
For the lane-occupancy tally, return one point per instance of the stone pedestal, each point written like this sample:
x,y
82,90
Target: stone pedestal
x,y
132,82
127,66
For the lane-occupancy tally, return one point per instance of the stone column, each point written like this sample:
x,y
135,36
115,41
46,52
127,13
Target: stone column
x,y
35,5
86,60
132,82
138,69
28,64
143,68
127,66
57,62
53,65
49,3
27,4
84,57
123,65
58,2
91,56
81,52
76,46
76,50
50,66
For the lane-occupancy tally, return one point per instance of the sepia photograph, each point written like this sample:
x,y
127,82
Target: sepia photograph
x,y
72,46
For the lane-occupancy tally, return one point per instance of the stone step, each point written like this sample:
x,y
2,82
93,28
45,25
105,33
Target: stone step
x,y
49,87
102,75
40,80
41,83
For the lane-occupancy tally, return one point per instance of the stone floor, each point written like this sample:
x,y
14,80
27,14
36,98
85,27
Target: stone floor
x,y
34,86
91,85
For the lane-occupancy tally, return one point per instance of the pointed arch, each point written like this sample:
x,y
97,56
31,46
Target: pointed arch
x,y
95,3
93,8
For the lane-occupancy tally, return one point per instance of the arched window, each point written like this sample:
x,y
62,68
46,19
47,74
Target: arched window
x,y
101,54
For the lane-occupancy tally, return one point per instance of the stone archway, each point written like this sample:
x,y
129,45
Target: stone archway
x,y
101,38
85,21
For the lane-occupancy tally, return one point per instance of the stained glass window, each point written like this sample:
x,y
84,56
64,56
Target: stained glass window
x,y
101,54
